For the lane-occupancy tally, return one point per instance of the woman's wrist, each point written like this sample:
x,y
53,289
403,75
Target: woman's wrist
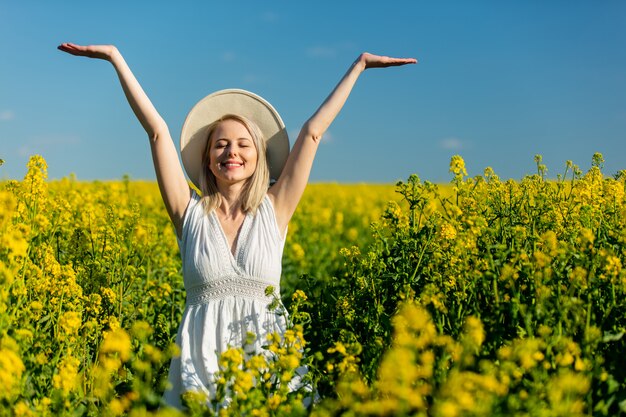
x,y
114,55
360,63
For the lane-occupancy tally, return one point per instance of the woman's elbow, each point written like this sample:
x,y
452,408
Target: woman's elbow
x,y
159,131
312,131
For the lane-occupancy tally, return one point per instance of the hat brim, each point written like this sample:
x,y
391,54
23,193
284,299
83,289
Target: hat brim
x,y
194,135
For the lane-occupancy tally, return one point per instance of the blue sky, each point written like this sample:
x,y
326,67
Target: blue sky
x,y
497,81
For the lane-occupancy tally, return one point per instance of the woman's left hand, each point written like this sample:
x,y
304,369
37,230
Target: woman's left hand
x,y
378,61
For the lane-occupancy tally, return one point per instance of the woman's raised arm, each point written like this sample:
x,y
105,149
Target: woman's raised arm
x,y
287,191
169,172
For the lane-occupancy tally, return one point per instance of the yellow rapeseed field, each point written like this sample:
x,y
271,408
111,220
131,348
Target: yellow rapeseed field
x,y
478,298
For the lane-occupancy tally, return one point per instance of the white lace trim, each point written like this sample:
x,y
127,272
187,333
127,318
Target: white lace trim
x,y
239,286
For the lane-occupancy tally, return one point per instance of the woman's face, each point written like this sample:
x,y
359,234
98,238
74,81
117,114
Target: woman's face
x,y
233,155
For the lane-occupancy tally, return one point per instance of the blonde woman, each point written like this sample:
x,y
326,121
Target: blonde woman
x,y
235,149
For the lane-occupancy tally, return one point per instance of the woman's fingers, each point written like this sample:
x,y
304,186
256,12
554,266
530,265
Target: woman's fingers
x,y
74,49
68,47
91,51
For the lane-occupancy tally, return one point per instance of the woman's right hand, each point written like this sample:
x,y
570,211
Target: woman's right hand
x,y
92,51
170,175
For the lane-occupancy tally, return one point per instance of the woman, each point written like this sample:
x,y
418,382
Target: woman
x,y
231,239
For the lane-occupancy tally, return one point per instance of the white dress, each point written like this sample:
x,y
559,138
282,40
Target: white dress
x,y
225,293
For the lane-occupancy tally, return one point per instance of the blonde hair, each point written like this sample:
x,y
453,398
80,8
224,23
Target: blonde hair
x,y
255,188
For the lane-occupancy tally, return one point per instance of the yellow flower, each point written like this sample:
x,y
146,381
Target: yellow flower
x,y
23,334
15,242
257,362
36,305
550,242
586,238
299,295
566,392
474,331
447,409
113,322
153,354
297,251
243,382
69,324
352,234
66,380
541,259
141,330
447,231
289,361
578,276
11,369
565,359
117,342
274,401
21,409
260,413
457,166
117,407
94,304
231,358
109,295
41,358
613,266
339,348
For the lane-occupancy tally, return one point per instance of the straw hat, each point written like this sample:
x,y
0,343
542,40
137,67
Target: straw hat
x,y
194,136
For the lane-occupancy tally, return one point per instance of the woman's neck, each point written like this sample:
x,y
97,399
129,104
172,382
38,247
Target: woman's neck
x,y
232,195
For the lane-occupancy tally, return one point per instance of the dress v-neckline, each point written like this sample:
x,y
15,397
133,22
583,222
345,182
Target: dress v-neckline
x,y
241,233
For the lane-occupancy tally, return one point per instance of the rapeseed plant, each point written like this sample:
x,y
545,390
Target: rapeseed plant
x,y
483,297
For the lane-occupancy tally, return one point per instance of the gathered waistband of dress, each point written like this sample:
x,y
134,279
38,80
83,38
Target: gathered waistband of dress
x,y
241,286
